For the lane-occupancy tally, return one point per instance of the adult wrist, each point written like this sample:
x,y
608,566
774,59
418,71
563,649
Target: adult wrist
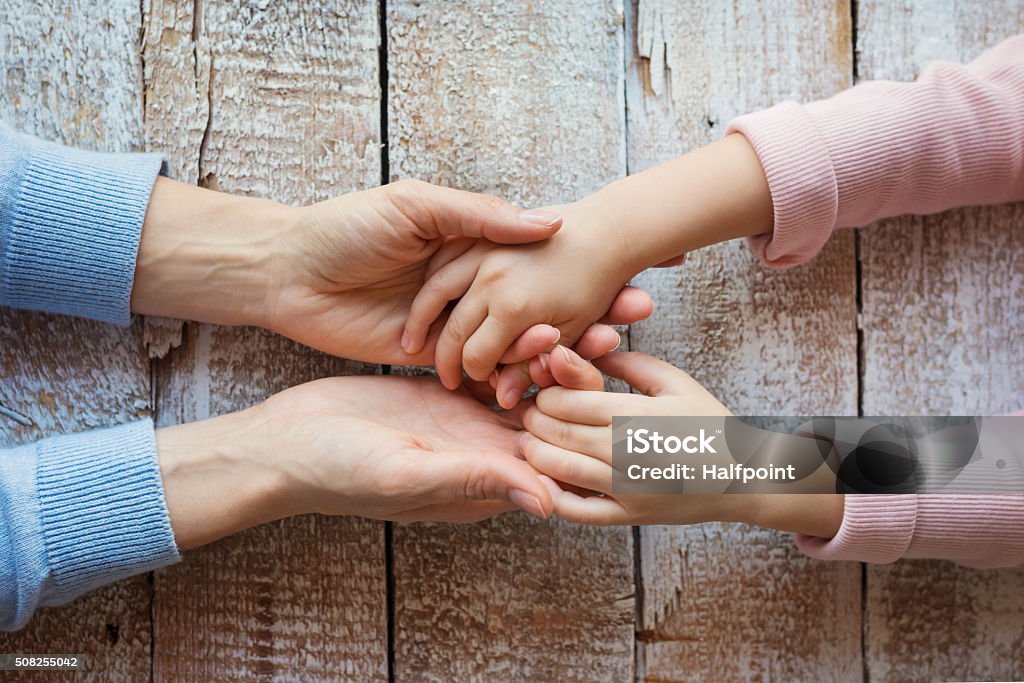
x,y
208,256
220,477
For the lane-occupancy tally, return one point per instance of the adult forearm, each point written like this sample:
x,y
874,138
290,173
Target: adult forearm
x,y
206,255
218,478
714,194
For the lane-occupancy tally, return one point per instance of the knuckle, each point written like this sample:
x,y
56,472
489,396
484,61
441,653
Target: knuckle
x,y
531,417
401,190
563,432
492,202
494,275
475,358
568,469
652,387
515,307
437,283
408,185
456,330
409,197
531,451
475,484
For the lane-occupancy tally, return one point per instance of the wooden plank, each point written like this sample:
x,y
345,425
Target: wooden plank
x,y
932,620
293,114
524,100
176,71
729,602
69,73
942,317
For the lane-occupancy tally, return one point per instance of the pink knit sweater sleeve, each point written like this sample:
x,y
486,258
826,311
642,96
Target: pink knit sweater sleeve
x,y
954,137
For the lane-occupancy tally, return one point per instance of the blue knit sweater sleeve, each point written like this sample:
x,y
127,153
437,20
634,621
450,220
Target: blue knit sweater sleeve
x,y
77,512
81,510
70,222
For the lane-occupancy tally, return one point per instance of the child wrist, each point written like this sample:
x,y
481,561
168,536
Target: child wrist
x,y
645,243
812,514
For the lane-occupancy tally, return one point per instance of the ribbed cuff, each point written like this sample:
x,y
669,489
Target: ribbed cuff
x,y
74,230
977,531
801,180
876,528
102,508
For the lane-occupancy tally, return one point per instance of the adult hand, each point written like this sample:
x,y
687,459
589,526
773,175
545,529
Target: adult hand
x,y
339,275
396,448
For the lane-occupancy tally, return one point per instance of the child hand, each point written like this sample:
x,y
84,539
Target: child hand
x,y
569,281
569,440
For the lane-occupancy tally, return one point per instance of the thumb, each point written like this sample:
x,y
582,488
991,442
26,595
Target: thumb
x,y
647,374
475,476
445,212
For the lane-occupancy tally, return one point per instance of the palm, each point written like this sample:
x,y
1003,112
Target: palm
x,y
390,447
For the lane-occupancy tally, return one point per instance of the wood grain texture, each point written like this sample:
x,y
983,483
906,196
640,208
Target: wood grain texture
x,y
523,100
176,68
292,113
942,320
304,598
69,73
520,99
732,602
526,100
513,599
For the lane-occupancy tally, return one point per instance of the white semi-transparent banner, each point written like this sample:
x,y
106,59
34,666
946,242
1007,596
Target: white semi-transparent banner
x,y
884,455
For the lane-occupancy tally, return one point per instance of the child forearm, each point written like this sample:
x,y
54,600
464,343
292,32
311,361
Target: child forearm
x,y
716,193
816,514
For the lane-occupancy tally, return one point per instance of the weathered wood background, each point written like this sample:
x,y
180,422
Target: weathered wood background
x,y
539,102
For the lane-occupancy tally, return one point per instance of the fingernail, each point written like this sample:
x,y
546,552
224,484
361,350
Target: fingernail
x,y
524,439
557,339
493,380
544,359
527,503
570,357
405,341
540,219
510,398
618,340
